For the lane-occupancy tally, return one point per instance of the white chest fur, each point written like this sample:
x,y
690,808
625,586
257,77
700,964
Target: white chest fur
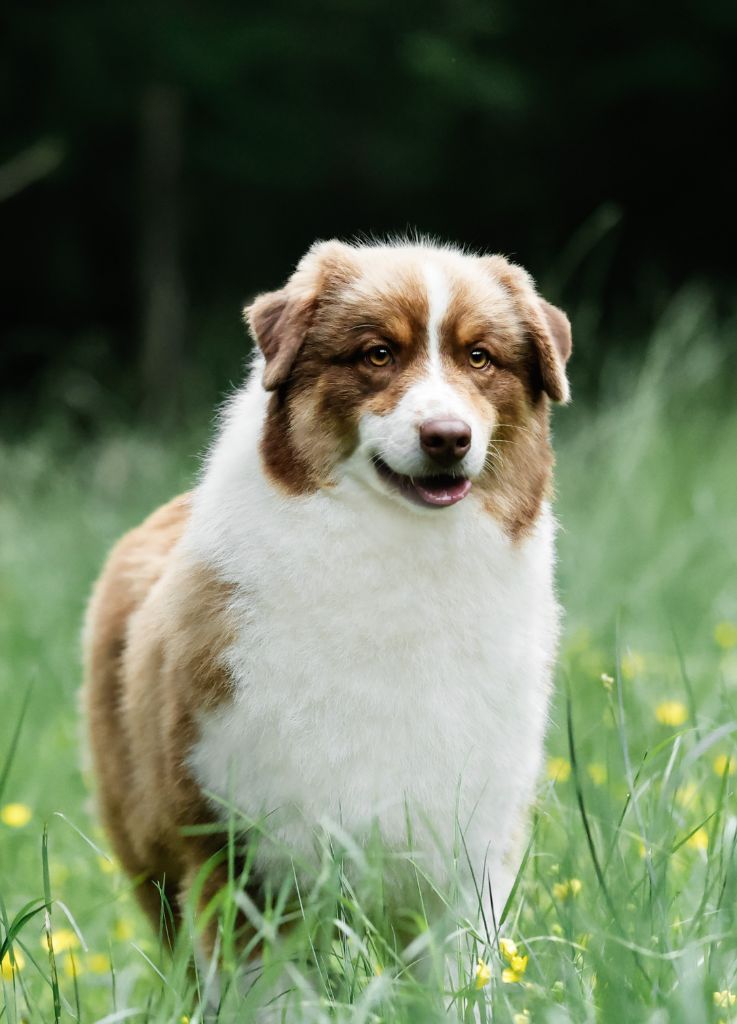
x,y
386,659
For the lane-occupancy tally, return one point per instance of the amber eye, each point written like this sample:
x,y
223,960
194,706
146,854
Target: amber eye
x,y
378,355
479,358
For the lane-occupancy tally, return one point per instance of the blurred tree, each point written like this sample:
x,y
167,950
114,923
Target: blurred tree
x,y
164,301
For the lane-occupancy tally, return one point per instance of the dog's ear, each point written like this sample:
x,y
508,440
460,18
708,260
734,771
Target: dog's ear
x,y
554,342
279,321
548,327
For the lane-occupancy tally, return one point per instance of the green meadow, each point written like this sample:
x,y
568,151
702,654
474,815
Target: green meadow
x,y
625,908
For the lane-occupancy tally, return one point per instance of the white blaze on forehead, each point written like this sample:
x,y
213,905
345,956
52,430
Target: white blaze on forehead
x,y
394,435
438,297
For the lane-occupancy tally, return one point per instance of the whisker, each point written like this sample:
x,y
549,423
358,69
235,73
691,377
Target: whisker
x,y
493,459
517,426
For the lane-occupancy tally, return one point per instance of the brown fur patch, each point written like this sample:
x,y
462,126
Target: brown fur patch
x,y
546,326
280,321
154,629
312,421
517,476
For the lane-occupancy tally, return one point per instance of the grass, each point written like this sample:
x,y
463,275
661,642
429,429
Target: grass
x,y
626,909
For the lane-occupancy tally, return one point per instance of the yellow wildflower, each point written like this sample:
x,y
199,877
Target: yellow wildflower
x,y
597,773
7,969
724,763
699,840
510,976
507,948
607,681
72,966
564,890
559,769
482,974
98,963
15,815
686,794
62,940
521,1018
123,930
633,665
671,712
184,1019
725,634
519,964
725,998
107,865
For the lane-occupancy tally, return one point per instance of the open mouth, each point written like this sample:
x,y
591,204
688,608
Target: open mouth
x,y
438,490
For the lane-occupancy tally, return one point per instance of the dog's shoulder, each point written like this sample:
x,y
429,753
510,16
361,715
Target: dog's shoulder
x,y
133,566
176,610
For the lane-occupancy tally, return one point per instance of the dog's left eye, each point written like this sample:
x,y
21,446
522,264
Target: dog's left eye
x,y
479,358
378,355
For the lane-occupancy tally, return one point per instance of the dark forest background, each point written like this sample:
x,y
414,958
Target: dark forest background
x,y
160,163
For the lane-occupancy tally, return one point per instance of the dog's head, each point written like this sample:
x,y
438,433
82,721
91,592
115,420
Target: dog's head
x,y
424,371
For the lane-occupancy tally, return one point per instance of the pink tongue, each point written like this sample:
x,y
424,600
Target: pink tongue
x,y
443,490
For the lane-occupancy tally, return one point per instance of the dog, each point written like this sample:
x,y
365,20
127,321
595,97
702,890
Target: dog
x,y
352,615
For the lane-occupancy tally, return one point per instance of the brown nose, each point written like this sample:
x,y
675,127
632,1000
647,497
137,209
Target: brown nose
x,y
445,441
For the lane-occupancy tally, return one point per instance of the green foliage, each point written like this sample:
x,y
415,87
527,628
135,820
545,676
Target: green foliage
x,y
625,908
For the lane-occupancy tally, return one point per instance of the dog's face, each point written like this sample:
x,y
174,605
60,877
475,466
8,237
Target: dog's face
x,y
423,371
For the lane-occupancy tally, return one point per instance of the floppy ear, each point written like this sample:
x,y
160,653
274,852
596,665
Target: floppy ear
x,y
552,337
278,322
547,326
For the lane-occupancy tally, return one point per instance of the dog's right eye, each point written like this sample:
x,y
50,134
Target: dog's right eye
x,y
378,355
479,359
